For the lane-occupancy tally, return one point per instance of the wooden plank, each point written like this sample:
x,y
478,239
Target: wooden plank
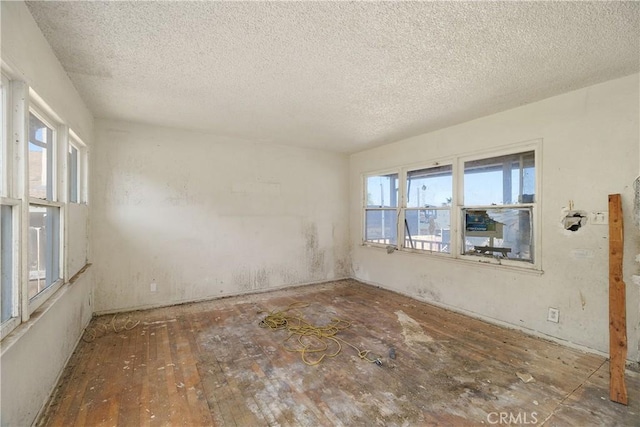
x,y
210,363
617,307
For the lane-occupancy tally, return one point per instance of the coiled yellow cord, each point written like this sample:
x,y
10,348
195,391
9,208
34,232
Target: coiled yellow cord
x,y
308,338
93,332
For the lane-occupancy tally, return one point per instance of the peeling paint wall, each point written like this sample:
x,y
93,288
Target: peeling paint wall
x,y
196,216
590,149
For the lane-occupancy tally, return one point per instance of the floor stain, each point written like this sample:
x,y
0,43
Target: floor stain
x,y
411,330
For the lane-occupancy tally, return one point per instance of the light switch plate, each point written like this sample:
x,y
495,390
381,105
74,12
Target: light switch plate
x,y
599,218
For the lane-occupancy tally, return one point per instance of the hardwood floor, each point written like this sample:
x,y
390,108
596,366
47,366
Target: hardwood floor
x,y
210,363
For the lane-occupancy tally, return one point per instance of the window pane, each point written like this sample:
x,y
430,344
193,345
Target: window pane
x,y
73,174
7,301
431,187
500,180
502,233
381,227
44,250
382,191
40,159
428,229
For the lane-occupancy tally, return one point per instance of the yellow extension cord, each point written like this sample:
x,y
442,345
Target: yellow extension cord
x,y
310,338
100,329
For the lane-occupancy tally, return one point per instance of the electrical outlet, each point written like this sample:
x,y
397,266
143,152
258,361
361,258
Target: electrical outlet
x,y
553,315
599,218
153,287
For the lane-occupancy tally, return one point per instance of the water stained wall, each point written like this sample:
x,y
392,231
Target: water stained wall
x,y
180,216
589,149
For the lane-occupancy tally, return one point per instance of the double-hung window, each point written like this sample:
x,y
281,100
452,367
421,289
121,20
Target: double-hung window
x,y
497,216
44,242
427,216
381,209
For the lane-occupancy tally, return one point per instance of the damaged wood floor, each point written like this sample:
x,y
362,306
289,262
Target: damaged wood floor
x,y
210,364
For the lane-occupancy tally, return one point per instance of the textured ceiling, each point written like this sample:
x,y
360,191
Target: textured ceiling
x,y
341,76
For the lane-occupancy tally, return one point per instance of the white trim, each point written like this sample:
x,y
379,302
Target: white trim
x,y
42,202
44,296
5,148
8,326
40,105
19,139
14,320
78,144
504,150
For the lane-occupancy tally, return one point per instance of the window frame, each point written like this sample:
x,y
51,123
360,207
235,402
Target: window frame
x,y
366,208
457,207
82,169
58,181
5,147
54,152
451,208
533,206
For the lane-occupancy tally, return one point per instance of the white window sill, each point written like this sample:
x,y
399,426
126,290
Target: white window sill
x,y
464,260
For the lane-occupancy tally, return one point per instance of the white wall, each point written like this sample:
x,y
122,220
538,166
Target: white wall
x,y
35,353
78,237
590,149
203,216
32,361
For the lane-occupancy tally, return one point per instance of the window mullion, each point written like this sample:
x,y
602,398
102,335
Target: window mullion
x,y
20,147
402,204
456,204
5,155
63,193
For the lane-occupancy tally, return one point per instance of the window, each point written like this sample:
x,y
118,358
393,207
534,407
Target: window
x,y
44,216
473,208
381,211
499,196
427,218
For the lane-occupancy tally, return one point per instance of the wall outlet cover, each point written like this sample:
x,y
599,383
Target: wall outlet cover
x,y
553,315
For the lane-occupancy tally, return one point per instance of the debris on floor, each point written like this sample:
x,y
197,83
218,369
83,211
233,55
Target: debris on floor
x,y
525,378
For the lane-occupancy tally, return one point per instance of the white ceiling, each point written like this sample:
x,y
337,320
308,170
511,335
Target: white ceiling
x,y
341,76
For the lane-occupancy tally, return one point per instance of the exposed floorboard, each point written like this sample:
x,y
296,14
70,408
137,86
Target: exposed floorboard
x,y
209,363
